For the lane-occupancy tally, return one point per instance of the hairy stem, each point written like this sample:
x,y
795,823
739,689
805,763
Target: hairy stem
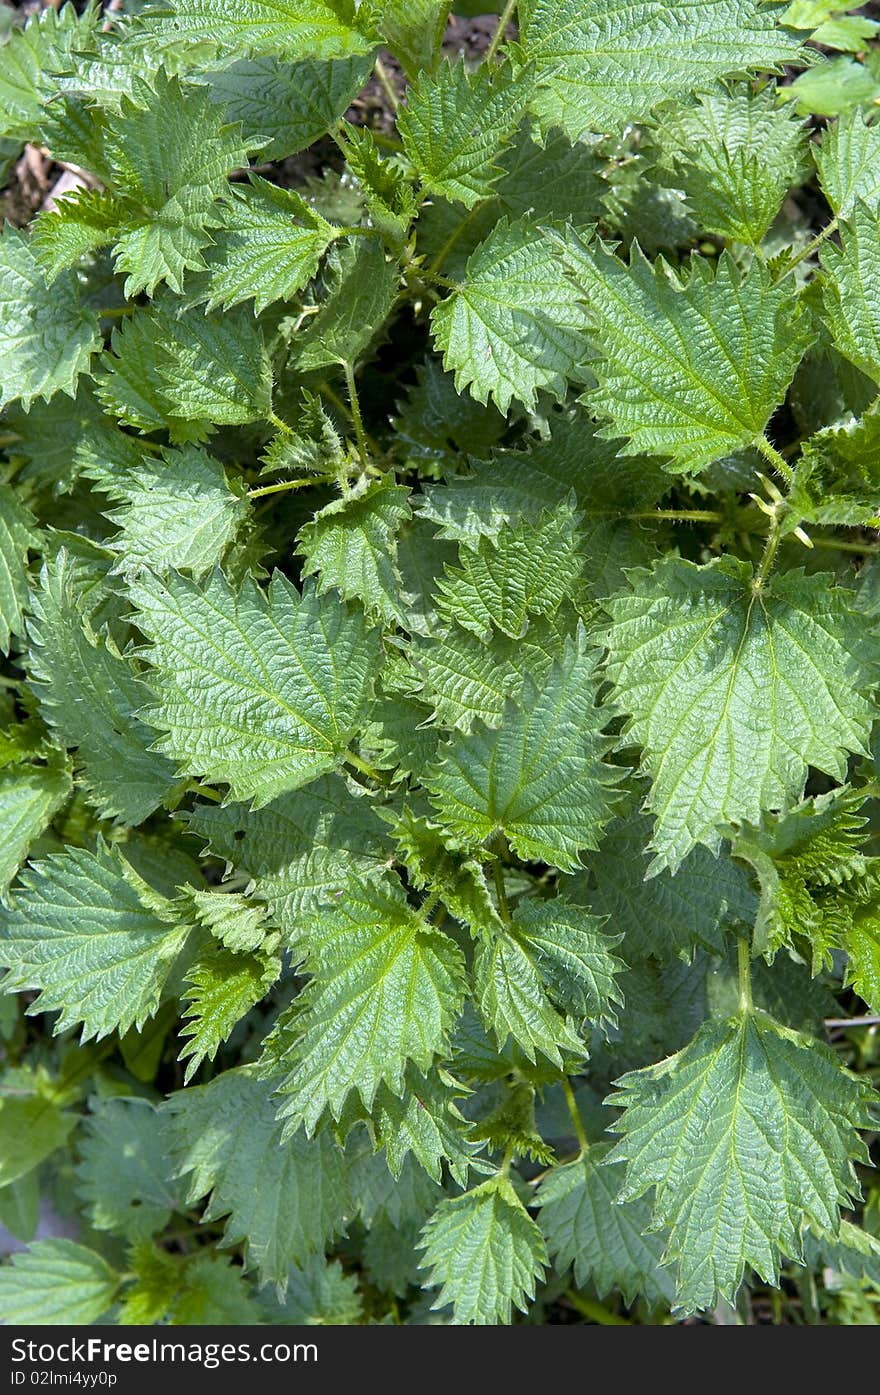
x,y
576,1121
386,84
500,30
773,457
288,484
811,247
356,417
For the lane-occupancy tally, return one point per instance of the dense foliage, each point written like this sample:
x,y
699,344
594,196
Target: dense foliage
x,y
441,624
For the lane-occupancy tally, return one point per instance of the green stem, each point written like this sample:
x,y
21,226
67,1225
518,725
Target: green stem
x,y
500,892
387,85
811,247
679,515
772,456
429,905
359,764
744,970
577,1122
500,31
288,484
204,792
279,424
841,545
356,417
596,1312
771,547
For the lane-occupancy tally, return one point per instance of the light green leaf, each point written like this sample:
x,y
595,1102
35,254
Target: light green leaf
x,y
28,60
290,105
93,938
351,544
608,1243
484,1252
573,956
539,779
220,987
285,1200
414,30
600,65
361,288
386,988
734,689
744,1135
56,1283
32,1127
268,244
454,125
515,325
689,368
263,692
18,535
89,696
48,334
288,29
852,308
178,512
848,162
30,795
513,1003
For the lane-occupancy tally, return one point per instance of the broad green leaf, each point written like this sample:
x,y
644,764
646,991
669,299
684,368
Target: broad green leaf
x,y
171,364
320,1294
299,850
79,224
848,162
385,989
421,1128
745,1134
351,544
454,125
29,58
573,955
259,252
90,696
832,88
539,779
852,308
663,915
513,1002
47,333
559,180
87,932
515,324
220,987
361,288
484,1252
262,692
30,796
232,919
18,536
526,570
600,65
387,190
285,1200
288,29
32,1127
734,688
56,1283
414,30
690,368
838,476
290,105
214,1294
177,511
123,1175
609,1244
736,156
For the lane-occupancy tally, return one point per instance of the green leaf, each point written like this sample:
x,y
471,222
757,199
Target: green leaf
x,y
484,1252
848,162
259,251
123,1175
414,30
170,363
262,692
852,310
573,957
320,1294
515,325
609,1244
89,696
285,1200
351,544
601,65
78,225
745,1134
734,688
32,1127
30,796
454,125
527,570
288,105
288,29
539,779
690,368
513,1003
838,476
56,1283
178,512
736,156
361,288
663,915
48,333
422,1128
220,987
93,938
29,56
385,990
299,850
18,536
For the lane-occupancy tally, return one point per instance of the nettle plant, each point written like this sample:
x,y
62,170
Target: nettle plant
x,y
437,785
